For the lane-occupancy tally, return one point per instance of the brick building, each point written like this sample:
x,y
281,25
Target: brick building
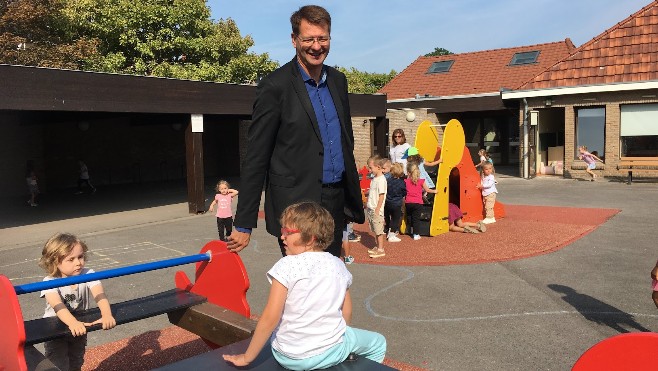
x,y
467,87
603,95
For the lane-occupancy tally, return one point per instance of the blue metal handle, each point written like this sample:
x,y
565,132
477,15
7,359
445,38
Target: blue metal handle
x,y
110,273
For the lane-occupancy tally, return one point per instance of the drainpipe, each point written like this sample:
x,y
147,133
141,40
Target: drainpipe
x,y
526,169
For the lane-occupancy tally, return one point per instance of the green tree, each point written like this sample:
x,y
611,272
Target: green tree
x,y
34,33
439,51
168,38
365,82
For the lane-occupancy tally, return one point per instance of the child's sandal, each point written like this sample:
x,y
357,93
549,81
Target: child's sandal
x,y
468,229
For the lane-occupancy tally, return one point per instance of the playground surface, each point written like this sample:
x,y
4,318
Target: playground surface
x,y
539,310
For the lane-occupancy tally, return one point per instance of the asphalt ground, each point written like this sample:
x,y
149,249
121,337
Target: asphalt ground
x,y
538,313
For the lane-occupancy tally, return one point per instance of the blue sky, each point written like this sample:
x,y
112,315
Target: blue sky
x,y
384,35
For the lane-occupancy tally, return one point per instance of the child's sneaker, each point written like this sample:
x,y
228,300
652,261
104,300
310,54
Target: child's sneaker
x,y
353,237
482,227
489,220
348,259
416,237
392,237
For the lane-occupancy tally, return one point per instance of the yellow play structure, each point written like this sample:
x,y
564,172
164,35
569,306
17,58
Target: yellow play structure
x,y
457,178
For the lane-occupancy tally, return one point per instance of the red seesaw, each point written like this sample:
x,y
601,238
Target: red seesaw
x,y
220,287
214,307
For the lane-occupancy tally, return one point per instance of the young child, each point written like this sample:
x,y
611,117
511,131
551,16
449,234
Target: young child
x,y
414,200
345,245
386,168
224,215
375,205
396,190
590,159
413,156
32,186
83,178
309,308
654,284
456,224
488,187
484,158
63,256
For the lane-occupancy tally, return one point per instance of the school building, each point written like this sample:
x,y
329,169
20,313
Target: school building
x,y
604,95
532,106
128,129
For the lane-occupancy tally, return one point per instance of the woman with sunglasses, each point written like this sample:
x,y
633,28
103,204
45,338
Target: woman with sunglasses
x,y
399,147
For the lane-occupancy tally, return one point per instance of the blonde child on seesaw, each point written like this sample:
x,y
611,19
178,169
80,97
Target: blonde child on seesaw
x,y
64,255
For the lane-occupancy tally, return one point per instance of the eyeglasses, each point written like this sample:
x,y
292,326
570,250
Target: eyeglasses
x,y
397,136
308,41
285,232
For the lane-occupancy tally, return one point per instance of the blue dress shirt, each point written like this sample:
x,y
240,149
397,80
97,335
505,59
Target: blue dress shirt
x,y
333,164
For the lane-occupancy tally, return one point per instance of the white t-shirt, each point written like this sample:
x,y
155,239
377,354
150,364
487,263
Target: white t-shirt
x,y
378,185
396,153
312,319
75,299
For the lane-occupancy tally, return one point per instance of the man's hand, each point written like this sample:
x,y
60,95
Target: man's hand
x,y
238,241
654,272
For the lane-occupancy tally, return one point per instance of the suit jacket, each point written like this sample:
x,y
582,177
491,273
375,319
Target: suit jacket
x,y
285,151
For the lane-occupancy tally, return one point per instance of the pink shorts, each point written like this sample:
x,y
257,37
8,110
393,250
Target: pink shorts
x,y
654,284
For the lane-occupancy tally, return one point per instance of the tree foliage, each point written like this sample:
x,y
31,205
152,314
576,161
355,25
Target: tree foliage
x,y
365,82
167,38
439,51
34,33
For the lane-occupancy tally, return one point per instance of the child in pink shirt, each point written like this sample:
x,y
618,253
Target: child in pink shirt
x,y
223,200
414,199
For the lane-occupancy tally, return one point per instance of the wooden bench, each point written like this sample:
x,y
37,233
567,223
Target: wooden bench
x,y
637,164
43,329
264,362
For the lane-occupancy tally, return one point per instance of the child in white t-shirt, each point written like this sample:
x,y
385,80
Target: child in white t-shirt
x,y
375,204
309,305
488,187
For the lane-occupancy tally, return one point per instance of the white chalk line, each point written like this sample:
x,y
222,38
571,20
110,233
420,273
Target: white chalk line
x,y
410,275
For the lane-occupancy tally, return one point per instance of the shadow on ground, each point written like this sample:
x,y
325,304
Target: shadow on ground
x,y
597,311
65,204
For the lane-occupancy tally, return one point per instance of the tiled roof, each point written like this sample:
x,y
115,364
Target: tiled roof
x,y
474,73
627,52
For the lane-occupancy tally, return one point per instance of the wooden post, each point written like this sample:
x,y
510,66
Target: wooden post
x,y
194,159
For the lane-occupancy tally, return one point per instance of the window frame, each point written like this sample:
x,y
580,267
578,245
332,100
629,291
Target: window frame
x,y
432,69
643,134
578,143
517,56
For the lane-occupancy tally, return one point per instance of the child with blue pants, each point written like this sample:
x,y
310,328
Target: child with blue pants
x,y
309,308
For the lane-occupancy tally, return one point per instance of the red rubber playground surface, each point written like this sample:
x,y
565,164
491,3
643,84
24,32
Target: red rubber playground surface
x,y
526,231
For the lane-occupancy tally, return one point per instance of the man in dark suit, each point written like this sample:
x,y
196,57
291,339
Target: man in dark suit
x,y
300,142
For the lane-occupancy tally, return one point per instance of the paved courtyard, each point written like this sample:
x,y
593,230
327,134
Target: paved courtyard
x,y
537,313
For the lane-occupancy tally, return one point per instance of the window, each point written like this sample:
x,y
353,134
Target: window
x,y
590,130
524,58
639,130
442,66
